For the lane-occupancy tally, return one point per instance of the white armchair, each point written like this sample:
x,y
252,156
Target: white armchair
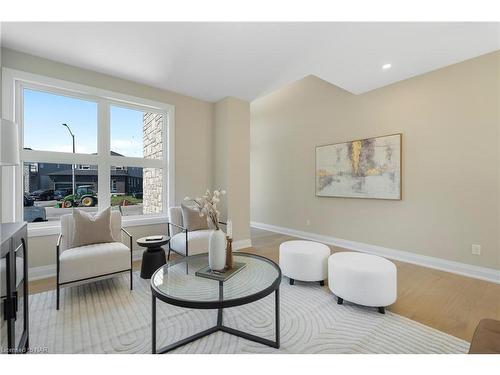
x,y
91,261
183,241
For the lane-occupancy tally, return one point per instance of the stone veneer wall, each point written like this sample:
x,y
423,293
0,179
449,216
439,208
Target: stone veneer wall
x,y
26,177
152,183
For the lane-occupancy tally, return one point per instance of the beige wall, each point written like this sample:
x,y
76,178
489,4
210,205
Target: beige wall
x,y
221,136
232,162
193,135
450,124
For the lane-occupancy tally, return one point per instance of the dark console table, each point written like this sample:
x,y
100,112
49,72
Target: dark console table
x,y
14,337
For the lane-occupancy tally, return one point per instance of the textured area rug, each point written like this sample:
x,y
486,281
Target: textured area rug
x,y
106,317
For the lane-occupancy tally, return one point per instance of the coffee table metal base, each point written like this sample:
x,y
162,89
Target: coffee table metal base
x,y
217,328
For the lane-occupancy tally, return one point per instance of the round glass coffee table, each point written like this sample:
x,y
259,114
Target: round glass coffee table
x,y
176,283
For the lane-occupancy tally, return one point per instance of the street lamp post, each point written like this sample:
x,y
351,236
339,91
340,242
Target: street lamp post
x,y
72,165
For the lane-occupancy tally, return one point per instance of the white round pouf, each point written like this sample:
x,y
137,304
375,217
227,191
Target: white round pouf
x,y
364,279
304,260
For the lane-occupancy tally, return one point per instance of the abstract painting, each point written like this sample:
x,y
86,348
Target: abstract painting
x,y
366,168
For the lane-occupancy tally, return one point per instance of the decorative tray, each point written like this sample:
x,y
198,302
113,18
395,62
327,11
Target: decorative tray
x,y
225,275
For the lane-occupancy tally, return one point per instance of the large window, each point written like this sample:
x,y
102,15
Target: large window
x,y
90,149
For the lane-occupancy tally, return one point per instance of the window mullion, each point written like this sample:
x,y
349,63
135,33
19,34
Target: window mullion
x,y
57,157
103,153
124,161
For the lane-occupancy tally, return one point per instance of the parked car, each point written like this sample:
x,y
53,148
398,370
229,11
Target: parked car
x,y
62,193
34,214
42,195
28,201
85,196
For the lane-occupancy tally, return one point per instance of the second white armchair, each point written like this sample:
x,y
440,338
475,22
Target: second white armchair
x,y
183,241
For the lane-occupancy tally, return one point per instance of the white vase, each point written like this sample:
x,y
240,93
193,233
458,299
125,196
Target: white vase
x,y
217,250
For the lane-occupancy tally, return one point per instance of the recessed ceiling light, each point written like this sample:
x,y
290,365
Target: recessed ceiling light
x,y
386,66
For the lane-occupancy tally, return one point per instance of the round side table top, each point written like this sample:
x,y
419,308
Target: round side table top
x,y
156,243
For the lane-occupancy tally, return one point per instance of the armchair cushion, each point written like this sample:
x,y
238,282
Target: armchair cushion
x,y
192,219
93,260
68,229
91,229
197,242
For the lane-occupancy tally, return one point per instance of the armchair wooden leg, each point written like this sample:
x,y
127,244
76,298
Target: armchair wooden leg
x,y
168,254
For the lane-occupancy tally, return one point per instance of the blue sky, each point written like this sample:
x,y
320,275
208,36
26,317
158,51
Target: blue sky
x,y
126,131
44,113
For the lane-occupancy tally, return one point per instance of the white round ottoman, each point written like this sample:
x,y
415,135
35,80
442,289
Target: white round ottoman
x,y
364,279
304,260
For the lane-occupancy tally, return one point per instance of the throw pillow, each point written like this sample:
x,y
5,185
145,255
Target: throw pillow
x,y
191,218
91,229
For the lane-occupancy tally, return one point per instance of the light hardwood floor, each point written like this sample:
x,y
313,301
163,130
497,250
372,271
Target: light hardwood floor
x,y
450,303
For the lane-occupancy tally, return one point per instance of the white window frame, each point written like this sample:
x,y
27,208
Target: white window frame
x,y
13,83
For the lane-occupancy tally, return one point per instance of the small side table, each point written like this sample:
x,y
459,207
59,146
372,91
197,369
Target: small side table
x,y
153,257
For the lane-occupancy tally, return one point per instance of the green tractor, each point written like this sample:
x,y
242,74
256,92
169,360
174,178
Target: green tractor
x,y
85,196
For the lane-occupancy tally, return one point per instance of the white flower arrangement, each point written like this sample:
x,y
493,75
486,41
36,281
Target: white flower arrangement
x,y
207,205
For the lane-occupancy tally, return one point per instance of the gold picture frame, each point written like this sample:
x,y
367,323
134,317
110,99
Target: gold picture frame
x,y
368,168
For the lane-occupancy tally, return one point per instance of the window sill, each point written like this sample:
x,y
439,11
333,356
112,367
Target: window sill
x,y
54,228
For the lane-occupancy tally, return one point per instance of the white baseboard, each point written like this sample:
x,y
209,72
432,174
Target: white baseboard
x,y
477,272
41,272
44,272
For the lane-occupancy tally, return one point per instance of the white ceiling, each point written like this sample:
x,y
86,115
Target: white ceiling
x,y
213,60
